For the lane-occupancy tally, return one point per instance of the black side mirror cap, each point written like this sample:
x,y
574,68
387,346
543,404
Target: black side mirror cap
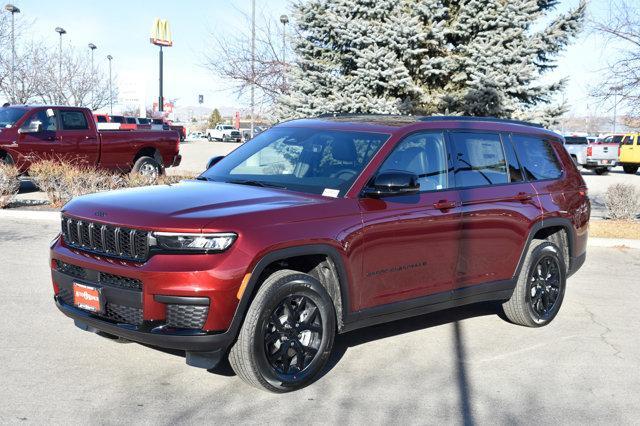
x,y
391,183
213,161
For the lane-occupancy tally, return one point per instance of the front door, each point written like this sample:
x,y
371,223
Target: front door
x,y
40,145
411,241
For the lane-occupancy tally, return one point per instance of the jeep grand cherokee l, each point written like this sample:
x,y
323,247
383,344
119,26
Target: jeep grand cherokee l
x,y
322,226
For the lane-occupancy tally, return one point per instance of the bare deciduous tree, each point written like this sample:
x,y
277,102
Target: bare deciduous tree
x,y
231,59
622,76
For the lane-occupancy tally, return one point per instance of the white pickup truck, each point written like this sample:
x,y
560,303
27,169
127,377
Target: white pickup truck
x,y
224,133
599,157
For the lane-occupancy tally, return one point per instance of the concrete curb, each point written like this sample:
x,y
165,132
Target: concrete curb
x,y
614,242
29,215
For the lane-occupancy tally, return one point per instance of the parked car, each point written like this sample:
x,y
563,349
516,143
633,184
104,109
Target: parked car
x,y
224,133
612,138
161,123
322,226
70,133
601,157
630,153
576,146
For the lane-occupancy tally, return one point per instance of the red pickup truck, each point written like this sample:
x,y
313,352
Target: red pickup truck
x,y
30,133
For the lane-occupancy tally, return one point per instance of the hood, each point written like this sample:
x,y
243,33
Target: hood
x,y
186,206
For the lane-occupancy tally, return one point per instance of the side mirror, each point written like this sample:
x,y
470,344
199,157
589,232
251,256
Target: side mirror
x,y
392,183
33,127
213,161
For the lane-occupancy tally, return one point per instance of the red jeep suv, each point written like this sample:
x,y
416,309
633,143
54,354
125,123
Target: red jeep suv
x,y
322,226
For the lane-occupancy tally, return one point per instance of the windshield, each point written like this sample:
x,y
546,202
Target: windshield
x,y
9,115
314,161
576,140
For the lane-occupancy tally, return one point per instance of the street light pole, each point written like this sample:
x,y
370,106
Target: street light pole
x,y
92,47
109,57
13,10
615,90
161,95
253,64
60,31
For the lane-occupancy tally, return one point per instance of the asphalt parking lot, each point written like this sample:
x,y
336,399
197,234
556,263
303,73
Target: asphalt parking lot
x,y
460,366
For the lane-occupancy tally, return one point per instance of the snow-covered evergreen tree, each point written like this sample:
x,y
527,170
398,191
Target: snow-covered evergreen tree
x,y
474,57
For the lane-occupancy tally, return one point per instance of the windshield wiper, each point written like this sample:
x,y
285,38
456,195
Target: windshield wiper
x,y
255,183
203,178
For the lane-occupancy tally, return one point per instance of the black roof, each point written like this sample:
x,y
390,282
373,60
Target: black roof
x,y
391,118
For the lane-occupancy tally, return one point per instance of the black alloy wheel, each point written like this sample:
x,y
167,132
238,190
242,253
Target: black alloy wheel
x,y
292,335
544,287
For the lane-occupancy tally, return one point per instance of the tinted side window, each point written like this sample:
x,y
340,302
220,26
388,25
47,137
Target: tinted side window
x,y
423,154
628,140
101,119
515,171
48,123
479,159
73,120
537,157
576,140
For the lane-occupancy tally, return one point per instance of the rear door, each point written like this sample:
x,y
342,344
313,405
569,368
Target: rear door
x,y
77,131
411,241
498,206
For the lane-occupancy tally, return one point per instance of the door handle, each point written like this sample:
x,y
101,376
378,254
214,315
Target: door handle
x,y
444,205
523,196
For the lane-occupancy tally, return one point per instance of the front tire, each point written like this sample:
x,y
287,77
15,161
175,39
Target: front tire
x,y
287,335
630,169
541,285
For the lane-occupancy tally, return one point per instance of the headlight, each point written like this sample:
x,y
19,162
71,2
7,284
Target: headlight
x,y
193,242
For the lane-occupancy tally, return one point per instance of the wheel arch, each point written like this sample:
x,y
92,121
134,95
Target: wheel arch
x,y
322,261
557,230
149,151
5,154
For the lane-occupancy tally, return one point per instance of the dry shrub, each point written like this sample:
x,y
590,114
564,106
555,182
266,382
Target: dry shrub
x,y
61,182
9,183
622,201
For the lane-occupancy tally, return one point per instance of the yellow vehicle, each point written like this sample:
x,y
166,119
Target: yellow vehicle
x,y
630,153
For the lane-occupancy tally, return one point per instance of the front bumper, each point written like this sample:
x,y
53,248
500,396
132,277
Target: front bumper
x,y
150,333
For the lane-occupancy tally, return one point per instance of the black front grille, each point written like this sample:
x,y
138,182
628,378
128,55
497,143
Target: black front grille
x,y
121,282
72,270
106,240
186,316
123,314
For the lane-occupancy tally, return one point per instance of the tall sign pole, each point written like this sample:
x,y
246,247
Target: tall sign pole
x,y
161,36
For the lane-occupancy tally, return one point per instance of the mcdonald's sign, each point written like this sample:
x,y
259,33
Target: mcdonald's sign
x,y
161,33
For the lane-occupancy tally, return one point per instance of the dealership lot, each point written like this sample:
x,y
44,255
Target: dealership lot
x,y
465,365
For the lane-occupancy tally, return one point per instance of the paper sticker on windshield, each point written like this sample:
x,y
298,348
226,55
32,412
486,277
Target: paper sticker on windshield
x,y
331,192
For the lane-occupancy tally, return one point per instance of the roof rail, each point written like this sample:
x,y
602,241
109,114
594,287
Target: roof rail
x,y
470,118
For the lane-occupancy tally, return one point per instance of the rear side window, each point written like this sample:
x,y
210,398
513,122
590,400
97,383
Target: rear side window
x,y
101,119
480,159
538,159
576,140
73,120
130,120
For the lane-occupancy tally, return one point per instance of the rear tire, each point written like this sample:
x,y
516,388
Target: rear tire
x,y
6,160
602,171
287,335
541,285
630,169
147,166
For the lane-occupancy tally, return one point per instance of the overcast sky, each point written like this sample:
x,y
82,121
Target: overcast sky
x,y
121,28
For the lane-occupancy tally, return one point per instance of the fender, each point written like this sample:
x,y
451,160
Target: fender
x,y
266,260
550,223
